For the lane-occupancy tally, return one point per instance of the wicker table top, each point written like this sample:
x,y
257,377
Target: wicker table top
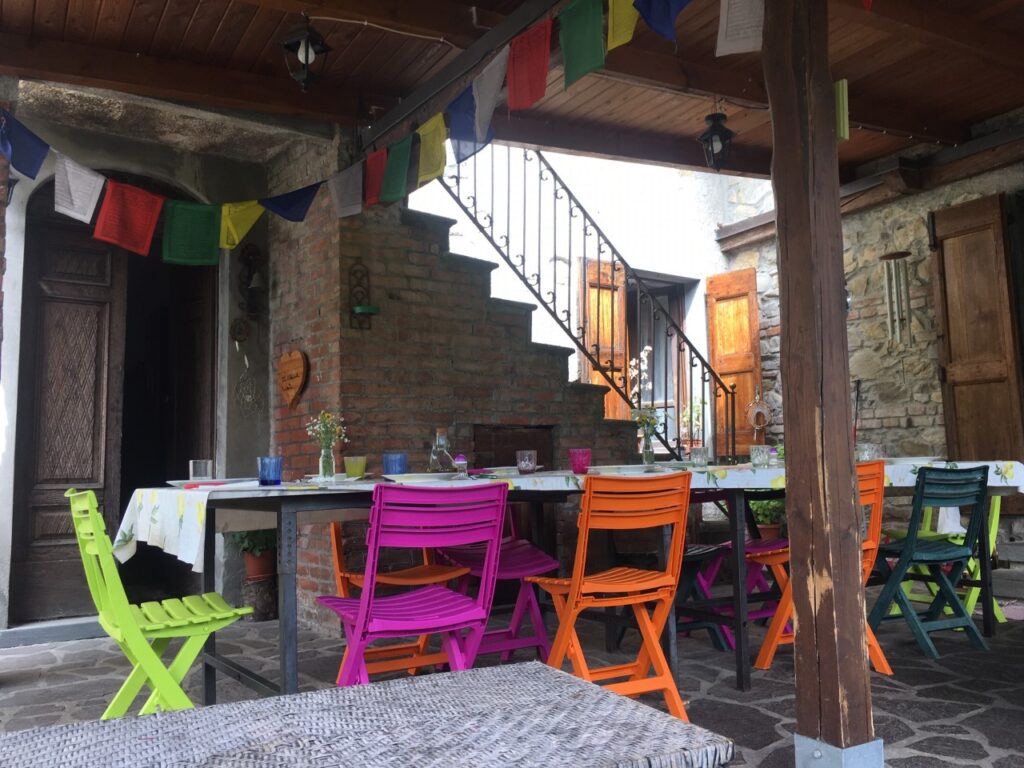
x,y
512,715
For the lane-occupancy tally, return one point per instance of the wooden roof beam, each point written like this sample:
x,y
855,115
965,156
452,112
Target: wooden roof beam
x,y
666,72
923,21
159,78
597,140
456,23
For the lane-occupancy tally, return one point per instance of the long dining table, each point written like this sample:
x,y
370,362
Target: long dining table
x,y
183,522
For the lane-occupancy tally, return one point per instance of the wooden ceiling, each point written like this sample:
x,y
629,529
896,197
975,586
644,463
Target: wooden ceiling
x,y
918,70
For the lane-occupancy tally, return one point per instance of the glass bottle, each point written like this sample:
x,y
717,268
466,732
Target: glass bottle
x,y
648,448
327,468
440,457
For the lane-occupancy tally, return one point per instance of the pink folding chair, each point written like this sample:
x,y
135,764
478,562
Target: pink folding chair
x,y
517,559
417,517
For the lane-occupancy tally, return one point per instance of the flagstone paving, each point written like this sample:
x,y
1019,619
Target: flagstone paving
x,y
966,709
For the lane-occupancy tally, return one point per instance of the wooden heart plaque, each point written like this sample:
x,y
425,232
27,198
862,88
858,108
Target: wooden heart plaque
x,y
292,371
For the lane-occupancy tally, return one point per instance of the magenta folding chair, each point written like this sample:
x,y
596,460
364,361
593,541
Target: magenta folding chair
x,y
517,559
415,517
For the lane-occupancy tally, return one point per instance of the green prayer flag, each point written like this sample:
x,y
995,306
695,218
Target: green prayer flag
x,y
581,34
191,233
396,172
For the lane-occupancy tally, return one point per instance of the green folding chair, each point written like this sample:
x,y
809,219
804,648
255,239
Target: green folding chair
x,y
144,631
938,562
969,595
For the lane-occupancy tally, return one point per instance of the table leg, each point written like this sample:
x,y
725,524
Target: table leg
x,y
988,619
738,529
670,636
210,585
287,546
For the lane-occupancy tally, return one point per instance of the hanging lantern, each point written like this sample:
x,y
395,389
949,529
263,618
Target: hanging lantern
x,y
307,46
716,140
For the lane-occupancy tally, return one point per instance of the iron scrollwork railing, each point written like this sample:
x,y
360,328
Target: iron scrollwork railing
x,y
626,334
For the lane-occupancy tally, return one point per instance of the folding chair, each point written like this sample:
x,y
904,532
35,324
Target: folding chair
x,y
936,487
618,504
871,493
144,631
408,656
411,517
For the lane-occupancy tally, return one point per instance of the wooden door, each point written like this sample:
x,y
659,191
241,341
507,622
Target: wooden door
x,y
979,362
603,306
69,407
734,339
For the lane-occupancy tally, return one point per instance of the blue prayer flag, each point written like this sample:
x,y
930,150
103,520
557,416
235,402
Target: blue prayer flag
x,y
660,15
24,149
462,126
292,205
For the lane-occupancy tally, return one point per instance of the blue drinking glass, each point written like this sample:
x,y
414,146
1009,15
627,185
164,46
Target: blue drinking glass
x,y
270,469
396,463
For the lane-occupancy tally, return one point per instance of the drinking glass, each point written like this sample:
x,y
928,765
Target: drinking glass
x,y
355,466
579,460
760,456
699,456
869,452
526,461
270,469
396,463
200,469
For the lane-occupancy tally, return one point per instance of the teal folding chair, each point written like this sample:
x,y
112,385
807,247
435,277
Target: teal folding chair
x,y
938,562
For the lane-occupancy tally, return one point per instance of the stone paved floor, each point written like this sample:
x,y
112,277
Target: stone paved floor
x,y
966,709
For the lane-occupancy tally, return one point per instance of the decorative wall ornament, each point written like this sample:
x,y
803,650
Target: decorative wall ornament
x,y
292,372
362,311
899,319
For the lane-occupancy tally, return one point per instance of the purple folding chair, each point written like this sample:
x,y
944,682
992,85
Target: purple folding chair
x,y
518,558
417,517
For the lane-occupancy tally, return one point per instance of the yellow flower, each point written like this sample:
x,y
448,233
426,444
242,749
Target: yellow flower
x,y
1007,470
201,512
720,473
779,482
181,507
888,480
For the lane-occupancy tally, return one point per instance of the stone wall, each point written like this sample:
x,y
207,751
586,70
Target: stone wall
x,y
440,352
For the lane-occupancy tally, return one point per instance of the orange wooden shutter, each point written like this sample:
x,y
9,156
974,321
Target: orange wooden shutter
x,y
603,305
734,338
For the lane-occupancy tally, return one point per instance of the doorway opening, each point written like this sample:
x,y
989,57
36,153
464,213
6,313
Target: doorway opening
x,y
116,392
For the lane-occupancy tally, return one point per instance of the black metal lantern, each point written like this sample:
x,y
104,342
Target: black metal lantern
x,y
307,46
716,140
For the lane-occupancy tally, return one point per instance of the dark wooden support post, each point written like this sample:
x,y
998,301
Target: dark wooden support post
x,y
833,703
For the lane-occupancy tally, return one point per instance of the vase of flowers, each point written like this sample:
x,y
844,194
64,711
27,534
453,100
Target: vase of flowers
x,y
328,429
646,421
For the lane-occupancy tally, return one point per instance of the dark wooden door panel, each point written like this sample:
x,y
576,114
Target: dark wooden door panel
x,y
603,299
978,349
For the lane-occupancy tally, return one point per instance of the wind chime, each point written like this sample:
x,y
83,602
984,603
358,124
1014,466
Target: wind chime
x,y
759,415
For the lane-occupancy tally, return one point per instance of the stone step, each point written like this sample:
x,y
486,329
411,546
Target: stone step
x,y
1008,583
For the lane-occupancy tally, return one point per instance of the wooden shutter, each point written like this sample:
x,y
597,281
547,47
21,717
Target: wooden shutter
x,y
978,351
734,338
603,307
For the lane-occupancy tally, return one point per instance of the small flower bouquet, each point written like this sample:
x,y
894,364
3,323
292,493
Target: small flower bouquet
x,y
647,421
328,429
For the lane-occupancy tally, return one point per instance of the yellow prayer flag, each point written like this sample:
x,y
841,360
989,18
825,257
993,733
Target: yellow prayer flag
x,y
236,219
622,17
432,153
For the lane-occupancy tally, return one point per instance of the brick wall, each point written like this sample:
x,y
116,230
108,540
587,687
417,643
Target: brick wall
x,y
441,352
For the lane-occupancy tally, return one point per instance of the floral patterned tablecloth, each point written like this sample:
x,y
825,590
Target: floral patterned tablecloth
x,y
174,519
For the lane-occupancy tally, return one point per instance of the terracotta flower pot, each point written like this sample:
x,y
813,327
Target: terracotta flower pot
x,y
770,531
261,566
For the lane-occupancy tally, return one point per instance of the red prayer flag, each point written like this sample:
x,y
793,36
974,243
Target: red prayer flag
x,y
528,60
376,162
128,217
867,4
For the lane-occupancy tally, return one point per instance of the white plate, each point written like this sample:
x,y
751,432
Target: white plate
x,y
421,477
219,483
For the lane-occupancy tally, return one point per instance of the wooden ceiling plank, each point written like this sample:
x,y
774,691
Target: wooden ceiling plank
x,y
143,23
81,21
203,26
177,19
230,29
155,77
49,18
432,18
111,22
923,21
264,29
17,16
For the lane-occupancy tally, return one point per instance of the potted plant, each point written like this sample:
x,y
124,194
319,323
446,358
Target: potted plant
x,y
769,514
260,550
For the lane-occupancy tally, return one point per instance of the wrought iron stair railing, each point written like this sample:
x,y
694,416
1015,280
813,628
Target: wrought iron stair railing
x,y
626,336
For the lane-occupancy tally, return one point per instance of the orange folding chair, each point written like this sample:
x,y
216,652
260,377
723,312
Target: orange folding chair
x,y
407,656
871,488
622,504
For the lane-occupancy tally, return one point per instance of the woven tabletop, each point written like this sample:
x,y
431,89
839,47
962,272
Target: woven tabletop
x,y
512,715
